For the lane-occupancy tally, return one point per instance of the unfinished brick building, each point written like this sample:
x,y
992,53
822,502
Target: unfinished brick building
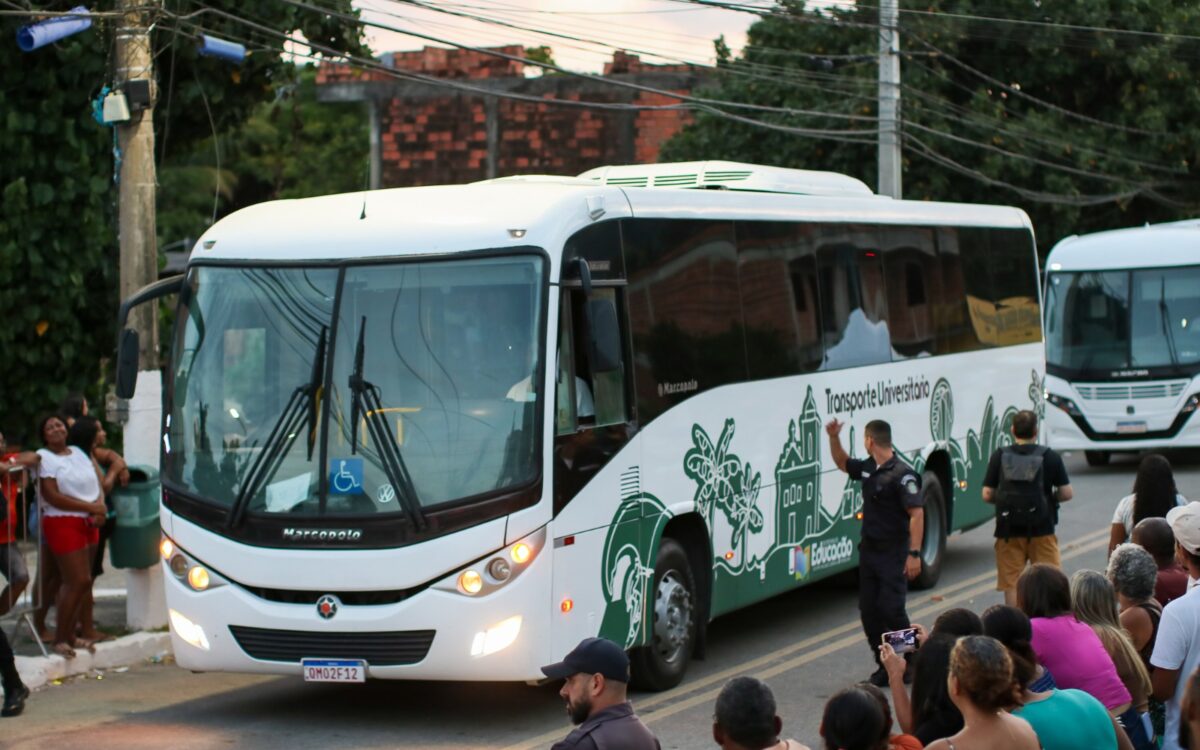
x,y
426,134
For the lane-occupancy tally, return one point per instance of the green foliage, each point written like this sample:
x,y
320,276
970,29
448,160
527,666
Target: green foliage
x,y
1139,88
58,235
58,254
290,146
542,54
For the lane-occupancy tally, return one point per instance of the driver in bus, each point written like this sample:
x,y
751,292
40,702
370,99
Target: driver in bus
x,y
585,407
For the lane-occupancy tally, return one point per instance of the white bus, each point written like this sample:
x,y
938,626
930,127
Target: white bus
x,y
447,432
1123,340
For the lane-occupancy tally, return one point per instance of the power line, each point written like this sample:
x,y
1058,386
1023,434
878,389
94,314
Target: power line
x,y
696,106
1016,91
688,98
710,106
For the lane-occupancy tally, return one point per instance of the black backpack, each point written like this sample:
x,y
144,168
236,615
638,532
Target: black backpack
x,y
1021,501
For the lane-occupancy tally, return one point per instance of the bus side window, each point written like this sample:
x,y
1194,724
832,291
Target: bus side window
x,y
913,290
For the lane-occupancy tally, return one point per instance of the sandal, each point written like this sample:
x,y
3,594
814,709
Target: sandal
x,y
84,643
64,650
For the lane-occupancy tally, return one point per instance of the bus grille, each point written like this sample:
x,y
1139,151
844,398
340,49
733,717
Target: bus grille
x,y
1129,392
377,649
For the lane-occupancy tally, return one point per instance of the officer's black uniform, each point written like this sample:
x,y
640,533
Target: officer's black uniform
x,y
888,492
614,728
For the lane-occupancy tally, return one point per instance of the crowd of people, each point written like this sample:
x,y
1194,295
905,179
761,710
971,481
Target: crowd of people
x,y
71,476
1099,660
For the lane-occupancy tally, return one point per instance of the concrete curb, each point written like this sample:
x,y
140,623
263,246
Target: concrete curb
x,y
36,671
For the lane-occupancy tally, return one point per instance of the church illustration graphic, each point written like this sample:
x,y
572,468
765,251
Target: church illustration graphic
x,y
799,515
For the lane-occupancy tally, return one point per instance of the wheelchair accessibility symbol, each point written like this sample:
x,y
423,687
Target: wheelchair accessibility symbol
x,y
346,476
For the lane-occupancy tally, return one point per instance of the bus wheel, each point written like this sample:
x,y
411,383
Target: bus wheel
x,y
660,664
1097,458
933,546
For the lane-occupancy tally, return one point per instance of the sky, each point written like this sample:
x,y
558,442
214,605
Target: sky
x,y
665,31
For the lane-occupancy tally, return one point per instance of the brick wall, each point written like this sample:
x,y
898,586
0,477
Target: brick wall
x,y
436,135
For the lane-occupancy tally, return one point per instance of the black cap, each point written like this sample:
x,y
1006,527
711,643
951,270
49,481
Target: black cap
x,y
592,656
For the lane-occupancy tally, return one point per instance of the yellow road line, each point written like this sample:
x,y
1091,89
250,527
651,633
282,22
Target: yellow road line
x,y
939,600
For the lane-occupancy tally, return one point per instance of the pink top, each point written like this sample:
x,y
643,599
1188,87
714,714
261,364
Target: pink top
x,y
1073,653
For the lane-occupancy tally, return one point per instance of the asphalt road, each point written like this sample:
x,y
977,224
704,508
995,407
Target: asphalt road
x,y
806,645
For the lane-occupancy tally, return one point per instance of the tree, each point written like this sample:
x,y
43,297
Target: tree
x,y
1083,128
58,242
290,146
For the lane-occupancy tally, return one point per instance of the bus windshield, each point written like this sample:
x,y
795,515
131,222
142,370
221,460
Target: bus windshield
x,y
277,370
1101,322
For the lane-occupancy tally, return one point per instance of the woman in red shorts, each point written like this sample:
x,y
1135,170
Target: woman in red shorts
x,y
72,512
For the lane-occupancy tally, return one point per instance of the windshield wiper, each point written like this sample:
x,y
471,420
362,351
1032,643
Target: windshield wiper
x,y
365,400
301,408
1164,313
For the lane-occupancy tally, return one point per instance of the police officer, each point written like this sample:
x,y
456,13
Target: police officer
x,y
893,525
596,673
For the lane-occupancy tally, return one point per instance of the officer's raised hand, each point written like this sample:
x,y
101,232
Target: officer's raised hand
x,y
834,429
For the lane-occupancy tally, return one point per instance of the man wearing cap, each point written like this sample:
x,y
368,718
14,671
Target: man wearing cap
x,y
597,673
1177,645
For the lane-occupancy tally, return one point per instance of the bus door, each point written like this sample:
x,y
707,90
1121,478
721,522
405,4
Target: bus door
x,y
594,417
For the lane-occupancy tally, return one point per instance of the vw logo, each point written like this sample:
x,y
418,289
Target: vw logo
x,y
327,606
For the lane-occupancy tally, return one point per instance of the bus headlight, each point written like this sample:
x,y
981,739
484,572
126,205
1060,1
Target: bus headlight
x,y
1192,402
198,576
166,548
470,582
1064,403
188,631
521,553
498,568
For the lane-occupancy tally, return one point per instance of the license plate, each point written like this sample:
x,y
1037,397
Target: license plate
x,y
1131,428
334,670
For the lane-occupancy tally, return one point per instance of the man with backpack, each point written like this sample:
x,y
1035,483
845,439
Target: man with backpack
x,y
1026,482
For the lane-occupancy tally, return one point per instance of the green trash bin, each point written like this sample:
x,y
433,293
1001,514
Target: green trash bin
x,y
134,542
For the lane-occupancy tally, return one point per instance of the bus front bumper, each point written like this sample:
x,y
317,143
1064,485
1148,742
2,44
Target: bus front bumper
x,y
1064,432
503,636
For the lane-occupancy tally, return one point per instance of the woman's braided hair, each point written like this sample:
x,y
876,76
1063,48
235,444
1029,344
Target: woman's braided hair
x,y
984,672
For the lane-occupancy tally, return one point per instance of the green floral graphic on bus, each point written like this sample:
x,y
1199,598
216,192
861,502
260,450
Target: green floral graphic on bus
x,y
726,484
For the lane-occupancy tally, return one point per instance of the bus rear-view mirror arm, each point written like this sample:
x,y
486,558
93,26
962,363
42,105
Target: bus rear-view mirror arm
x,y
127,339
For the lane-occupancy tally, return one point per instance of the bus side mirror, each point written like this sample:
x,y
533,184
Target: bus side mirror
x,y
605,336
127,363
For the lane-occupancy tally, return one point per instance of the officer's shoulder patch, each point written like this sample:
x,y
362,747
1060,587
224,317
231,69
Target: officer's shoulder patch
x,y
910,483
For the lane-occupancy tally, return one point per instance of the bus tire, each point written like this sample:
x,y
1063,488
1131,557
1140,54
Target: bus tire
x,y
662,662
933,545
1097,458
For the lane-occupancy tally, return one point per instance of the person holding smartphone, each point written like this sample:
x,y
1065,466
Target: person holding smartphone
x,y
893,526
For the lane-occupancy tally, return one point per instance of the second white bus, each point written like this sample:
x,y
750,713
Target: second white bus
x,y
1123,340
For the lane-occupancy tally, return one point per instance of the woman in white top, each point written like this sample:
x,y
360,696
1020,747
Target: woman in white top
x,y
72,511
1153,495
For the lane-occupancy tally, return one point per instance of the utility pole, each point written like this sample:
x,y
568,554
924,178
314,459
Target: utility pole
x,y
137,179
145,605
889,99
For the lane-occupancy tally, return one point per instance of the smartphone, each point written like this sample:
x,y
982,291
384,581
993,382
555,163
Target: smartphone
x,y
901,641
